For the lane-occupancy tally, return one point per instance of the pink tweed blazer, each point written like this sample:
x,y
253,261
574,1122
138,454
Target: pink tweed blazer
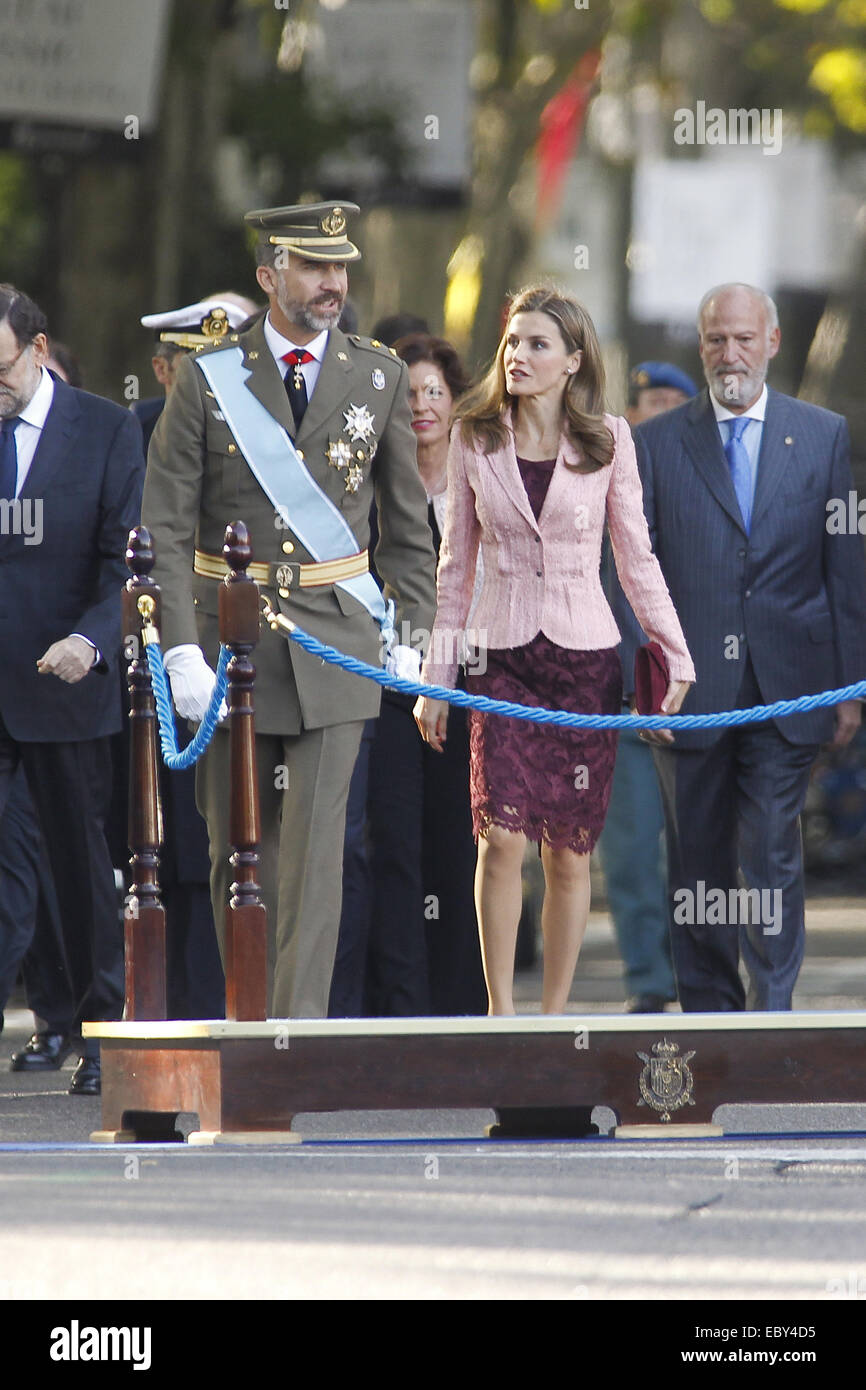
x,y
543,576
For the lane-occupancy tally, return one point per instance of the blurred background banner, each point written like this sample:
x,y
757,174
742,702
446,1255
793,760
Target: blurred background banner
x,y
414,55
85,63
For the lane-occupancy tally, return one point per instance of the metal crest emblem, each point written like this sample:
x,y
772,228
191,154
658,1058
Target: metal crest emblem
x,y
359,422
378,379
215,325
334,224
666,1082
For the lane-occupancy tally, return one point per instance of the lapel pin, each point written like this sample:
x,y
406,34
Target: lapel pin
x,y
342,357
378,379
253,356
789,439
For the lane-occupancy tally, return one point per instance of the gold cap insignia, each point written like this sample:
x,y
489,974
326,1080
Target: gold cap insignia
x,y
334,224
215,324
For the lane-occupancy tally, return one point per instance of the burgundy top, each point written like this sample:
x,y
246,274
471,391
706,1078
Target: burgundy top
x,y
536,475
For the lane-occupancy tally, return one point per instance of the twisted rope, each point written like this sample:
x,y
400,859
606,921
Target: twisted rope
x,y
179,758
564,717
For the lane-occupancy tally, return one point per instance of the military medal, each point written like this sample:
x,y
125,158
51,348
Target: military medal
x,y
354,478
359,422
339,454
298,376
378,379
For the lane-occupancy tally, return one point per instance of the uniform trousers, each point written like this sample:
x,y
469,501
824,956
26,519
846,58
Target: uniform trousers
x,y
303,783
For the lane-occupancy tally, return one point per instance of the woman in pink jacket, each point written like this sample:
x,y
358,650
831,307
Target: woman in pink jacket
x,y
535,469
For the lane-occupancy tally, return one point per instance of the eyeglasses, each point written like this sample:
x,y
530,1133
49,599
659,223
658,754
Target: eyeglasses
x,y
6,367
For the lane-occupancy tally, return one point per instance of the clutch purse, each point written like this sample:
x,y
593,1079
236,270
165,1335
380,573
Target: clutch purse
x,y
651,678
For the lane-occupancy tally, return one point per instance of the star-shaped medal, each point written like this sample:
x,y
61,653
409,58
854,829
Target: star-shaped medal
x,y
359,422
339,454
354,478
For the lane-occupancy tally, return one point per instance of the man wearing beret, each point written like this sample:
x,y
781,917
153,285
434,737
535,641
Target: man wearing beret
x,y
293,428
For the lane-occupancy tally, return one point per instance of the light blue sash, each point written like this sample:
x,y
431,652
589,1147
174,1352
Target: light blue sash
x,y
297,497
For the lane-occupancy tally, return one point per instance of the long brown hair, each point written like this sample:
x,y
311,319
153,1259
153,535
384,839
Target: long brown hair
x,y
482,409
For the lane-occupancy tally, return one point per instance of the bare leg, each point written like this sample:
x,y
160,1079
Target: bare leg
x,y
499,901
563,922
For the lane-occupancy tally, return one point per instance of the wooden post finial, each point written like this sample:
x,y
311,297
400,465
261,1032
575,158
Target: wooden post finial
x,y
237,550
140,554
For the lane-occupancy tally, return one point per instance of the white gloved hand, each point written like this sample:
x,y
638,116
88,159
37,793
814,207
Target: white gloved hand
x,y
192,682
404,663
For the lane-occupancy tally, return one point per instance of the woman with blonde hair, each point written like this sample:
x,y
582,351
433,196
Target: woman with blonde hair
x,y
535,470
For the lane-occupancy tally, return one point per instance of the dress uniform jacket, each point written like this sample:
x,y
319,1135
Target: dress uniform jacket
x,y
198,481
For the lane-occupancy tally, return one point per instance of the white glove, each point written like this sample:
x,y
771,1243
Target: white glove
x,y
192,682
404,663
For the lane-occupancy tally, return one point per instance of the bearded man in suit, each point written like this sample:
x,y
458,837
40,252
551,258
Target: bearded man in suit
x,y
291,427
739,487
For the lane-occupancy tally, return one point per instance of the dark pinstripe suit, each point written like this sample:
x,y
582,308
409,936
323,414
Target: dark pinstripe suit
x,y
771,615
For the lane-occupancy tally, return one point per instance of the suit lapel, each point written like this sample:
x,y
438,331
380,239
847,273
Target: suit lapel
x,y
561,481
704,446
775,456
332,386
503,466
265,380
54,441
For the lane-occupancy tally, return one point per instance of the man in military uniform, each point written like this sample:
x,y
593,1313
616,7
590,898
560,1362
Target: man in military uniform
x,y
291,427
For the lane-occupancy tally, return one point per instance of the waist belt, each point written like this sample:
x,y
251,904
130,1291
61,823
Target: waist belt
x,y
283,576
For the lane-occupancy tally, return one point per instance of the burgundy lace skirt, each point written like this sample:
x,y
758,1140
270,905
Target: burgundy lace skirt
x,y
550,783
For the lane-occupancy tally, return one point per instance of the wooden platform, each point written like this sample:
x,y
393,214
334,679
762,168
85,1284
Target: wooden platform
x,y
248,1081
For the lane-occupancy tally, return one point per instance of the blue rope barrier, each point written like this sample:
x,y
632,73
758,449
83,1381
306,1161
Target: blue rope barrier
x,y
175,758
563,717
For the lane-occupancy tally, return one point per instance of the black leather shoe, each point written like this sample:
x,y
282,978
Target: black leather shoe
x,y
87,1078
647,1004
44,1052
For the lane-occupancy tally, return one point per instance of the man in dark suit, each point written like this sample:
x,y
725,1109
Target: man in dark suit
x,y
70,488
737,488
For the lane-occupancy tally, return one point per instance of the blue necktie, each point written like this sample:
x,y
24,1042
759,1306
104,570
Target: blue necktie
x,y
741,470
8,458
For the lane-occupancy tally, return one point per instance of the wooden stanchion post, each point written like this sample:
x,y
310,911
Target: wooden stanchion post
x,y
246,917
144,914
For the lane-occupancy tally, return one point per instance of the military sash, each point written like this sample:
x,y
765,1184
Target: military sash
x,y
295,494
